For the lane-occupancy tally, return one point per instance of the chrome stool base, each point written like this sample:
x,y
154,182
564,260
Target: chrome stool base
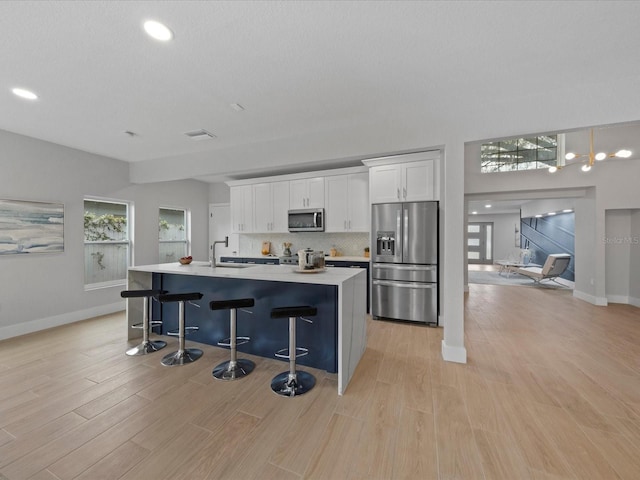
x,y
289,385
225,371
147,347
181,357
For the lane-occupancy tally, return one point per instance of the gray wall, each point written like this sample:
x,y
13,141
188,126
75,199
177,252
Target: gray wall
x,y
618,254
44,290
634,274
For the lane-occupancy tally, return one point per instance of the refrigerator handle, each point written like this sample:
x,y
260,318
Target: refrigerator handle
x,y
398,232
405,233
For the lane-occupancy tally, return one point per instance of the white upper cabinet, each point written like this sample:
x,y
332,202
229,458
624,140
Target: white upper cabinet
x,y
306,193
404,181
347,203
270,205
241,209
386,182
417,181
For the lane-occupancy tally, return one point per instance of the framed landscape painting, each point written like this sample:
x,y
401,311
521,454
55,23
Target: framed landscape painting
x,y
31,227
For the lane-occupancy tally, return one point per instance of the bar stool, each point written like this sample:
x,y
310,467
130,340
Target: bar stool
x,y
146,346
183,355
234,368
294,382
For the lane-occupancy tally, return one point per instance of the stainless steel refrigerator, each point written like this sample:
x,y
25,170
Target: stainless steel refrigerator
x,y
404,275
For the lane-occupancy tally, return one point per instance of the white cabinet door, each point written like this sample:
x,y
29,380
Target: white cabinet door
x,y
358,201
298,194
241,209
336,188
307,193
315,192
280,197
385,183
347,203
262,207
417,181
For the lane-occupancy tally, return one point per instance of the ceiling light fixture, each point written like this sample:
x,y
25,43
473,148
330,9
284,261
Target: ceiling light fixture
x,y
474,213
158,31
487,205
23,93
551,213
567,210
200,135
590,157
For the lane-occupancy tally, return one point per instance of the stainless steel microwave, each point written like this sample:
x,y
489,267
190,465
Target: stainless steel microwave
x,y
306,220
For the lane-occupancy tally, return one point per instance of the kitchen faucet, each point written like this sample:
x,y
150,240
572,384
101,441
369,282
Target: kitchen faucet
x,y
213,248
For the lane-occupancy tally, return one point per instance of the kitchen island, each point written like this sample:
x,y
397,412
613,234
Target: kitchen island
x,y
336,339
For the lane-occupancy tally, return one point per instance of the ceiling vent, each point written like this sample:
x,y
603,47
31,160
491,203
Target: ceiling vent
x,y
200,135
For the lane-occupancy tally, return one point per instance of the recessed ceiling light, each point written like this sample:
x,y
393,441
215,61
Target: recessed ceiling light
x,y
158,31
539,216
567,210
237,107
551,213
28,94
488,205
474,213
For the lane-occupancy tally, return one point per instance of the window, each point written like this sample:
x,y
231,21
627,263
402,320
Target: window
x,y
519,154
173,234
107,242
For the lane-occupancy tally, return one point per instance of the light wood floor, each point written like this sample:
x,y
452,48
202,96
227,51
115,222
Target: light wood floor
x,y
551,391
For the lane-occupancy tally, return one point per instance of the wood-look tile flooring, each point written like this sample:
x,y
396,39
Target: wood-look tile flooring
x,y
551,391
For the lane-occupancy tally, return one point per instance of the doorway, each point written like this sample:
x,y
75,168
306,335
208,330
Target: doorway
x,y
480,243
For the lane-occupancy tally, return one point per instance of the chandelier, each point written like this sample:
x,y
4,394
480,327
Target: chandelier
x,y
590,158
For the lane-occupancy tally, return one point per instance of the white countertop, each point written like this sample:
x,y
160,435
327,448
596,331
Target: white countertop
x,y
333,259
276,273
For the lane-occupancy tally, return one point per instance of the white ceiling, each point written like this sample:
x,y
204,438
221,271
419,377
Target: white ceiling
x,y
322,83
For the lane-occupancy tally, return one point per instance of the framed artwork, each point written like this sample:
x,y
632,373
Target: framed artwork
x,y
31,227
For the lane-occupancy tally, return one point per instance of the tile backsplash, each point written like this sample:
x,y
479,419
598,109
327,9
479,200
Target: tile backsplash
x,y
347,244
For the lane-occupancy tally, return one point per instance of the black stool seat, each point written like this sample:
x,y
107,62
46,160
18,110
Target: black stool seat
x,y
147,346
141,293
183,355
234,368
293,382
180,297
227,304
301,311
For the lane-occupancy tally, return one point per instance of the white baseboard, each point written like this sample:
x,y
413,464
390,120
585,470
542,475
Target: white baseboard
x,y
599,301
454,354
618,299
624,299
11,331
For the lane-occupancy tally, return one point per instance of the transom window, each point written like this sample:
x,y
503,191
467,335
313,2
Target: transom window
x,y
528,153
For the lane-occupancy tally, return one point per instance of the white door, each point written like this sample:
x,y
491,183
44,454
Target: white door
x,y
220,227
